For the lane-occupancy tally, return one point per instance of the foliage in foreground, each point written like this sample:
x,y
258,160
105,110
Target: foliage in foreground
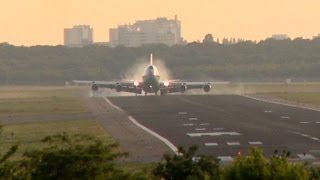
x,y
256,166
85,157
253,166
184,166
68,157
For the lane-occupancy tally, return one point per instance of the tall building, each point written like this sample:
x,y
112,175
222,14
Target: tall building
x,y
156,31
78,36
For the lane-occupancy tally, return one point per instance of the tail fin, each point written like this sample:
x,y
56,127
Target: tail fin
x,y
151,59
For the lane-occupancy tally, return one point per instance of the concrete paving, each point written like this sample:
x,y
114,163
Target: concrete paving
x,y
225,125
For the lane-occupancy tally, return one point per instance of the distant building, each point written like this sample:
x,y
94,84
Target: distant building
x,y
279,36
316,37
157,31
78,36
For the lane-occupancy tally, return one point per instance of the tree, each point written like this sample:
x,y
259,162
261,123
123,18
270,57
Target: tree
x,y
256,166
208,39
72,157
186,166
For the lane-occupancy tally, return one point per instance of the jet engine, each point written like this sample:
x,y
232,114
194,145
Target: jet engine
x,y
118,88
94,87
183,88
207,87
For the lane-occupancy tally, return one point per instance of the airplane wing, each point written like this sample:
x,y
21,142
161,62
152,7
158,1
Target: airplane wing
x,y
176,86
121,86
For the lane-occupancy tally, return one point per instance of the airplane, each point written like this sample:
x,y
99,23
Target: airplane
x,y
150,83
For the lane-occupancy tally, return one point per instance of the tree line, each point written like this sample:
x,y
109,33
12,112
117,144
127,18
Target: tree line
x,y
267,60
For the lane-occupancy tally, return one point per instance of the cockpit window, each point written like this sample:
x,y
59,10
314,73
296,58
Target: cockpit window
x,y
151,70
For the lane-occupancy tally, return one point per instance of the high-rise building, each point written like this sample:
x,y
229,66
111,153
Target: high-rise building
x,y
156,31
78,36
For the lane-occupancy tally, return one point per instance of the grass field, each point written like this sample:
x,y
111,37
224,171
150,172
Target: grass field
x,y
29,135
258,88
39,100
26,101
303,93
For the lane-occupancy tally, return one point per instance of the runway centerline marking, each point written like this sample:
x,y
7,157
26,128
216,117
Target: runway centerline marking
x,y
255,142
181,113
304,122
268,111
211,144
164,140
204,124
213,134
218,129
315,138
188,124
284,117
233,143
193,119
201,129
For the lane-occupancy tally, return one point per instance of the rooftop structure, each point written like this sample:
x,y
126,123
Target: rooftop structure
x,y
78,36
156,31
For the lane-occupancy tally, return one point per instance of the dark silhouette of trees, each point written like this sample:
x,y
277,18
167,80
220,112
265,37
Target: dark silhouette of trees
x,y
208,39
185,166
69,157
235,60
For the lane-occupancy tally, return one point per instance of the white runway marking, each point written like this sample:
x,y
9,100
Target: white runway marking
x,y
114,106
304,135
218,129
284,104
306,156
268,111
164,140
304,122
284,117
200,129
213,134
193,119
204,124
225,158
315,138
188,124
211,144
167,142
314,151
318,122
233,143
181,113
255,143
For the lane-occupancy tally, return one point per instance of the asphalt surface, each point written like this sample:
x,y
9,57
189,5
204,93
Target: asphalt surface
x,y
225,125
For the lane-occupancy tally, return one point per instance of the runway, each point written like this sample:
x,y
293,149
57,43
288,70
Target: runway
x,y
225,125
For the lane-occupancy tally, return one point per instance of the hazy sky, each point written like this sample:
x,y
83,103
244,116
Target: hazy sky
x,y
31,22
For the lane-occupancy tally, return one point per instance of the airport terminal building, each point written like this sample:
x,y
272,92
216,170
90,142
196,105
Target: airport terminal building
x,y
157,31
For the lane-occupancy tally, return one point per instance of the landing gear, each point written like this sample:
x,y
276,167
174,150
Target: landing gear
x,y
145,94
